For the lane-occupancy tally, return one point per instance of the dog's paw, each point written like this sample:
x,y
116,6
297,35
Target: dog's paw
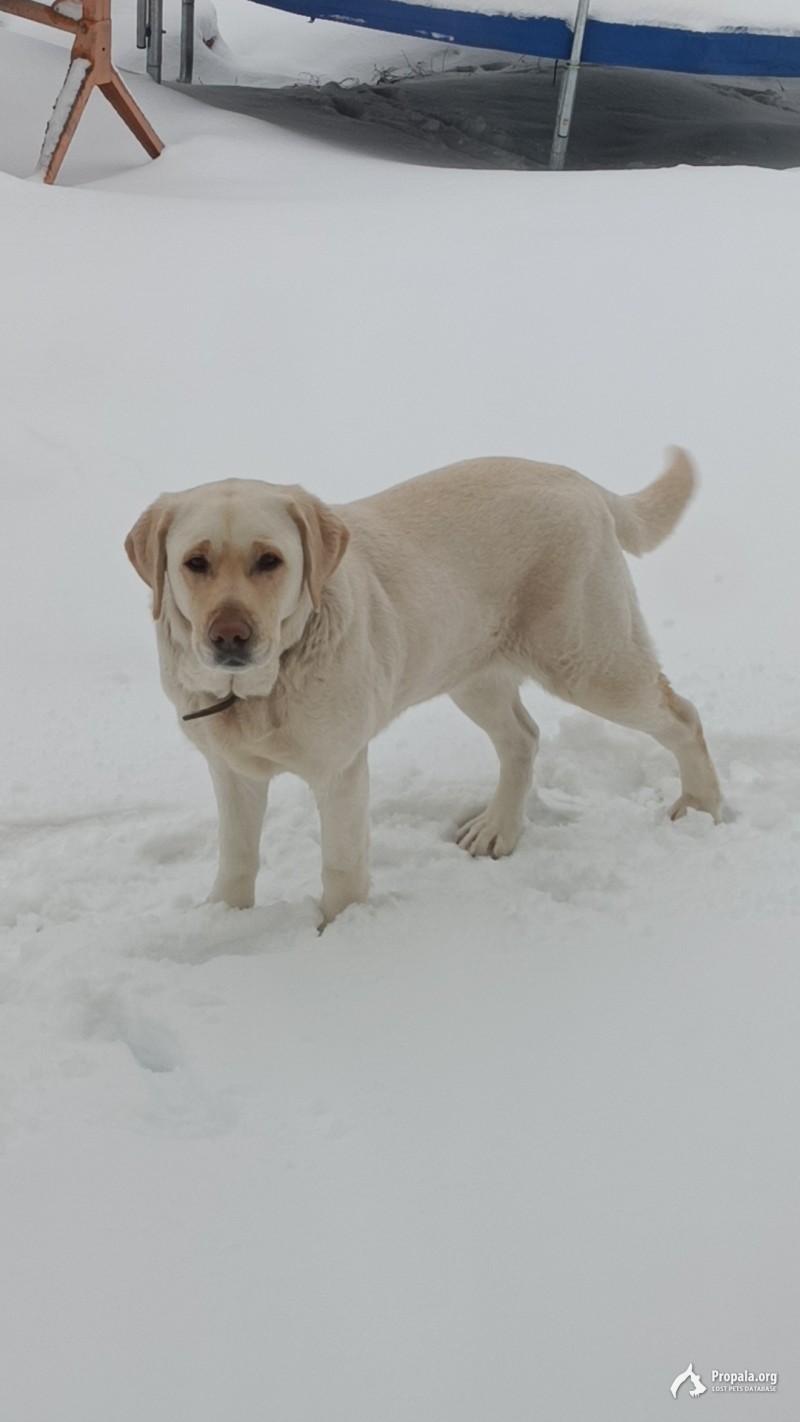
x,y
693,802
487,834
340,889
236,896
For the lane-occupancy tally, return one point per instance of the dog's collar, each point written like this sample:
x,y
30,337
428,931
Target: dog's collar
x,y
212,710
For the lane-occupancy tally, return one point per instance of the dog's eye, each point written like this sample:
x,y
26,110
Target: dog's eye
x,y
197,564
267,562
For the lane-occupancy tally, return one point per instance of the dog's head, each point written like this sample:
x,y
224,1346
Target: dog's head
x,y
236,569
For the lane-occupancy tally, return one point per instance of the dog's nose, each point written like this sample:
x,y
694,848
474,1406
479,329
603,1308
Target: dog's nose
x,y
229,634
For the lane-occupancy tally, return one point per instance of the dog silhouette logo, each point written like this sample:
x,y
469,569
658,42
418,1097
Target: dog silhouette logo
x,y
697,1387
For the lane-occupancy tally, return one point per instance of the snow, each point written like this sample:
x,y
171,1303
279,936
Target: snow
x,y
759,16
76,77
516,1139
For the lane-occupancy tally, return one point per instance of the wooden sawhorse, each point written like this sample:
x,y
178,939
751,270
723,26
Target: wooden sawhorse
x,y
90,67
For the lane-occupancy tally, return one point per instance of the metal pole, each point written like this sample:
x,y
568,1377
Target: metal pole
x,y
566,98
155,39
187,42
141,24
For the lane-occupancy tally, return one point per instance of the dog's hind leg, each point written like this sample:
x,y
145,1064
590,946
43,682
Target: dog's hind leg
x,y
641,697
680,729
492,701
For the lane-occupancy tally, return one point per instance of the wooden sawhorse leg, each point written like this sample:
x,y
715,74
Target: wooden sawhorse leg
x,y
90,67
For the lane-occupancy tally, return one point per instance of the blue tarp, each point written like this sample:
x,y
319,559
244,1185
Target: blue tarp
x,y
738,51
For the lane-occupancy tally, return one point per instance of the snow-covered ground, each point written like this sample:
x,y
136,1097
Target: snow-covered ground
x,y
516,1140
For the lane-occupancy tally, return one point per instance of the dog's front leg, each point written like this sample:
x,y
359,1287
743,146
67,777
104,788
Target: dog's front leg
x,y
242,804
343,803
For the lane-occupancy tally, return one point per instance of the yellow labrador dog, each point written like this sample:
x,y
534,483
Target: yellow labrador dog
x,y
290,633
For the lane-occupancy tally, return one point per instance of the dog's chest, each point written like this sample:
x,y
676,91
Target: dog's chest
x,y
245,738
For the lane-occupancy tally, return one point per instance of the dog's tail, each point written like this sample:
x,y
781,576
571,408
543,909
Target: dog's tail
x,y
645,519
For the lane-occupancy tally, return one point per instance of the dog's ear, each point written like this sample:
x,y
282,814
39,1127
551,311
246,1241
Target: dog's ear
x,y
146,546
324,538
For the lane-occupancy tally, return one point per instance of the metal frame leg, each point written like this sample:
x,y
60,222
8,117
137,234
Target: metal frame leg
x,y
566,98
155,38
187,42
